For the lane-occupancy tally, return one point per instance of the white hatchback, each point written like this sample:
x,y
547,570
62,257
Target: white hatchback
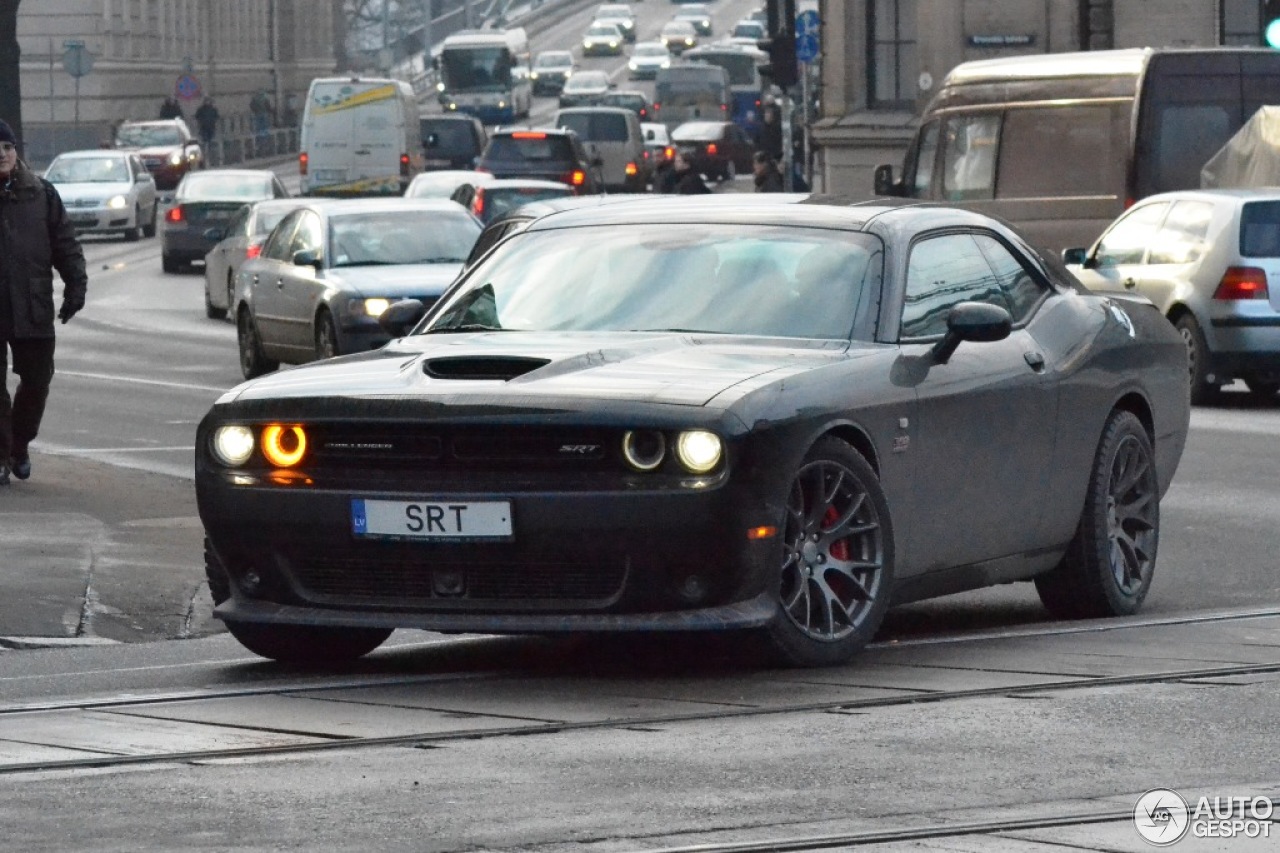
x,y
1210,260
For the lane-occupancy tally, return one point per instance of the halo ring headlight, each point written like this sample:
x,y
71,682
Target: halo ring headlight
x,y
644,450
699,451
284,446
233,444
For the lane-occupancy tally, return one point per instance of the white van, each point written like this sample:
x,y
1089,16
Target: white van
x,y
613,136
359,137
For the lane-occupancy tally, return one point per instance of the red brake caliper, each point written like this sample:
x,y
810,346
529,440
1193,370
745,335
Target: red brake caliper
x,y
839,548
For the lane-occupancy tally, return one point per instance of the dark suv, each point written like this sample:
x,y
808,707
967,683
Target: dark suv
x,y
550,154
451,141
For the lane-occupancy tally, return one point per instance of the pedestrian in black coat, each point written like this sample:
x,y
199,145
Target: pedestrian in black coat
x,y
768,178
36,237
171,108
685,178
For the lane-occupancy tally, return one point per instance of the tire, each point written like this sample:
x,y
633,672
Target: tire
x,y
134,234
210,310
326,337
298,645
149,230
1202,391
253,362
170,265
833,590
1263,389
231,292
1108,566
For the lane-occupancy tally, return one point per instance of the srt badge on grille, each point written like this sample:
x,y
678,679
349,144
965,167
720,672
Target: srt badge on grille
x,y
579,449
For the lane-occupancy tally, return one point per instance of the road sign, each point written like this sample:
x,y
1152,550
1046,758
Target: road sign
x,y
807,27
77,61
187,87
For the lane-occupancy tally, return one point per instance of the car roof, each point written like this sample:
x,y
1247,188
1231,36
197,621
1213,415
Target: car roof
x,y
1239,193
524,183
597,109
95,152
232,173
341,207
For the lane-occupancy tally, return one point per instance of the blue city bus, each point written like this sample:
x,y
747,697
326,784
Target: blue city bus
x,y
745,83
486,73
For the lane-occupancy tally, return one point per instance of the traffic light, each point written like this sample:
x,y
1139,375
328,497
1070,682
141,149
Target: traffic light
x,y
781,43
1271,23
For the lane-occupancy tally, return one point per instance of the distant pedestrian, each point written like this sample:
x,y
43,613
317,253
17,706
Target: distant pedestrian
x,y
36,238
260,113
685,179
171,108
207,122
768,178
770,140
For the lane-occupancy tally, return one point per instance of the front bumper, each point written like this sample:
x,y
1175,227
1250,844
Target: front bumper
x,y
185,244
100,219
1245,345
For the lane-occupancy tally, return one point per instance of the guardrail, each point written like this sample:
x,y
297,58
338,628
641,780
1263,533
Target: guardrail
x,y
233,150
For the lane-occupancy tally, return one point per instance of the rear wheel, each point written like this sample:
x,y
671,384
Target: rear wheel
x,y
837,559
326,336
253,362
1202,391
1108,567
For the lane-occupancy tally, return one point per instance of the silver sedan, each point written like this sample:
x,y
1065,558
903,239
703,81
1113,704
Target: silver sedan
x,y
106,192
242,240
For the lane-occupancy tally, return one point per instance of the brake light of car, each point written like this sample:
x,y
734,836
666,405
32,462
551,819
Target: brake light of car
x,y
632,170
646,154
656,106
712,148
526,134
1242,283
404,165
724,108
669,153
252,251
174,214
577,178
757,102
643,112
477,203
302,163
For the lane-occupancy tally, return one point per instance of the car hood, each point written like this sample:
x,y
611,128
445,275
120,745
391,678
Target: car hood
x,y
670,368
153,150
92,190
399,280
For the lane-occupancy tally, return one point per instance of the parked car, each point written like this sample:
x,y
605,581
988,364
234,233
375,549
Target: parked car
x,y
647,58
241,240
748,32
167,147
621,16
106,192
698,14
702,414
583,88
451,141
612,136
203,205
328,270
488,200
631,99
678,36
717,149
551,70
442,184
553,154
1210,261
602,40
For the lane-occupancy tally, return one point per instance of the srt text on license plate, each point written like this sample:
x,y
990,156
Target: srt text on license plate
x,y
431,519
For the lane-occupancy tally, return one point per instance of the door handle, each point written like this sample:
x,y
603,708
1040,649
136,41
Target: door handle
x,y
1130,283
1034,360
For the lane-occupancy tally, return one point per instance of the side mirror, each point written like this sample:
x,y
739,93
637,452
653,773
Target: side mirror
x,y
141,177
1075,256
884,182
308,258
401,316
972,321
214,235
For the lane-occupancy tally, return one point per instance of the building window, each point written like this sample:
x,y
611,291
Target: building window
x,y
1240,22
891,27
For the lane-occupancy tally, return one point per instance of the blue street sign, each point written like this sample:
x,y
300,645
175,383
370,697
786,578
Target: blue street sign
x,y
187,87
807,27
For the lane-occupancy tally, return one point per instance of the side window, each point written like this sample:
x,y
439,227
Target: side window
x,y
308,236
1181,239
239,224
1128,239
969,157
277,246
1022,288
926,155
941,273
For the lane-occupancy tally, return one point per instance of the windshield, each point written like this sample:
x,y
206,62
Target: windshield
x,y
731,279
401,237
587,81
596,127
553,60
604,31
268,219
476,69
87,170
650,50
221,186
742,67
748,29
498,201
142,136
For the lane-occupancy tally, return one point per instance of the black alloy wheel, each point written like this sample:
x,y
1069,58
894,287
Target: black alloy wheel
x,y
253,362
1202,391
326,336
1109,564
837,559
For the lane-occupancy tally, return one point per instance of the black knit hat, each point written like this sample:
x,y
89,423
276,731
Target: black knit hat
x,y
6,133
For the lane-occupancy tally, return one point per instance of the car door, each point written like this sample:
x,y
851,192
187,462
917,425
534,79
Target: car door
x,y
301,286
1171,260
263,283
1117,261
219,262
144,186
986,418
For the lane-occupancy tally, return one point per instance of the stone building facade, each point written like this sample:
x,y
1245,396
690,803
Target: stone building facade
x,y
141,49
882,60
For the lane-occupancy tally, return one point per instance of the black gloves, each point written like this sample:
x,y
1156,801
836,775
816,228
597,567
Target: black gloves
x,y
70,307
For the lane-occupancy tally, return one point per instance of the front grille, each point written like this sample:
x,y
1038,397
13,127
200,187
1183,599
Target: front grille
x,y
71,203
460,448
396,575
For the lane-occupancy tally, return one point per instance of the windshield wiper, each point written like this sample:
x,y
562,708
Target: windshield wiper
x,y
440,261
465,327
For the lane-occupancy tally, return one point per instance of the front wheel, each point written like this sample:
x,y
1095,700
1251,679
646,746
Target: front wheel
x,y
326,337
837,559
134,234
1108,566
149,230
253,362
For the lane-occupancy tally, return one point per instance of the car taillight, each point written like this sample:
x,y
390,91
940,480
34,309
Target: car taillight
x,y
477,203
632,170
643,112
526,134
174,214
252,251
657,107
1242,283
724,108
668,153
404,165
576,178
302,163
712,149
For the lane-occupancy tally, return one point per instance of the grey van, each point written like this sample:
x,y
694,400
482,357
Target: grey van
x,y
1060,144
613,135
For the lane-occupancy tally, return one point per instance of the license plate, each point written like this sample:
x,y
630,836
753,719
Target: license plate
x,y
431,519
436,164
84,220
331,174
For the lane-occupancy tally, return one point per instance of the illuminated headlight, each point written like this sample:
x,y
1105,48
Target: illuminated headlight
x,y
699,451
502,105
533,75
233,445
453,106
689,42
644,449
666,63
586,43
117,201
284,446
706,24
440,86
613,44
368,307
632,65
175,158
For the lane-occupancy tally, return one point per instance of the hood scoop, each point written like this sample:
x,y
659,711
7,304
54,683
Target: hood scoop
x,y
501,368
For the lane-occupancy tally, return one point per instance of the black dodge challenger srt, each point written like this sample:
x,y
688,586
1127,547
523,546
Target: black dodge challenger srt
x,y
703,414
